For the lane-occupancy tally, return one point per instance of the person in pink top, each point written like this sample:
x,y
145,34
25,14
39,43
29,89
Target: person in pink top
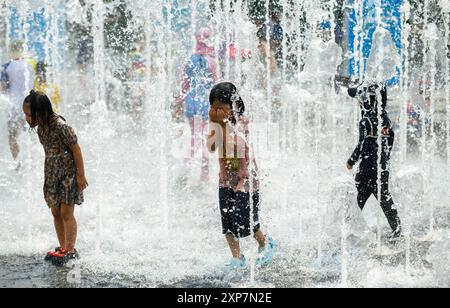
x,y
238,180
199,76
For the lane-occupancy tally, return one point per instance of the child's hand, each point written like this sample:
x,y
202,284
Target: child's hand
x,y
385,131
218,115
81,182
241,185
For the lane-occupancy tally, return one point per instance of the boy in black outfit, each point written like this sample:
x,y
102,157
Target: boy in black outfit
x,y
367,152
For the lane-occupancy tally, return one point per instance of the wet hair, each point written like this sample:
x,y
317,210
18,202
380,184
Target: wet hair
x,y
41,108
227,93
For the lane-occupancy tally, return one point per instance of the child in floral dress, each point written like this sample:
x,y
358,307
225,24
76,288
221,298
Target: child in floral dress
x,y
65,180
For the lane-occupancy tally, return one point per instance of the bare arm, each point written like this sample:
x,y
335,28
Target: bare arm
x,y
217,118
243,155
185,84
79,163
3,80
3,85
211,141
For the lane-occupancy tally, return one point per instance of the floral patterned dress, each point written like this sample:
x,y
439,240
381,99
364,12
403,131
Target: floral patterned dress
x,y
60,170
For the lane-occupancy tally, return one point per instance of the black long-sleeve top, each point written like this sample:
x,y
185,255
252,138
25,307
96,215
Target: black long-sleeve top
x,y
367,149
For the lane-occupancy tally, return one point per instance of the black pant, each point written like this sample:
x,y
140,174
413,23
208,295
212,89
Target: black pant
x,y
368,185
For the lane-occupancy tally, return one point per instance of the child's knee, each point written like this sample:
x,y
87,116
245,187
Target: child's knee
x,y
256,235
231,236
56,212
67,215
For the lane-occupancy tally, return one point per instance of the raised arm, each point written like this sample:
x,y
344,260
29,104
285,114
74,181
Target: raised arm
x,y
244,159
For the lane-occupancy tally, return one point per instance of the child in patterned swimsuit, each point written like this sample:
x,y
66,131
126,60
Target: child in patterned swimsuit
x,y
238,175
64,172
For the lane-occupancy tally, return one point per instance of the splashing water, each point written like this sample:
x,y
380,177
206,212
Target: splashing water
x,y
148,220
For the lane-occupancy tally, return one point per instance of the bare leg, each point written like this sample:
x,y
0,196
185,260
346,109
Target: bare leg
x,y
193,139
234,246
14,146
59,227
70,227
261,238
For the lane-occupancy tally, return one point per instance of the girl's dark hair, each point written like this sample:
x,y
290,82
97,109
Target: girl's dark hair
x,y
41,107
227,93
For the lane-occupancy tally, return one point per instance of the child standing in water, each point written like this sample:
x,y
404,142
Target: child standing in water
x,y
16,80
238,175
64,172
200,74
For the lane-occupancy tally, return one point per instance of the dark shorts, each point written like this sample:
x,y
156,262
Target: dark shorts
x,y
236,212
